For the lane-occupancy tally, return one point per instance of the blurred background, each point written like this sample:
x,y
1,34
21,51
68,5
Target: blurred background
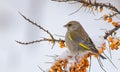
x,y
52,16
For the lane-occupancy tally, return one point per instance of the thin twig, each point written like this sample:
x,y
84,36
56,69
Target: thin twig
x,y
37,41
101,65
109,50
110,61
39,27
59,35
41,69
90,63
55,56
76,10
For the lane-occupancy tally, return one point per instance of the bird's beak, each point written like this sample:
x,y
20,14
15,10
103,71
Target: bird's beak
x,y
65,25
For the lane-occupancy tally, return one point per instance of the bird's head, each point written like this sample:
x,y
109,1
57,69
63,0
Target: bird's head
x,y
72,25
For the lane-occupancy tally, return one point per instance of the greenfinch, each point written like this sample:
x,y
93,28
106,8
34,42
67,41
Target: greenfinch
x,y
78,41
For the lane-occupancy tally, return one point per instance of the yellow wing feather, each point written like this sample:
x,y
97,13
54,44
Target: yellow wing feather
x,y
81,44
84,46
71,37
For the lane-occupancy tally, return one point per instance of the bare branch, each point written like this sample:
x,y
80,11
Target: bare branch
x,y
94,4
40,40
39,28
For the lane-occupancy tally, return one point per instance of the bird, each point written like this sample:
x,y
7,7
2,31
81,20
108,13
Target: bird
x,y
78,41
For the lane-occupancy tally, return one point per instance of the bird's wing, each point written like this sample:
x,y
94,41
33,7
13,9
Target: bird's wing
x,y
83,41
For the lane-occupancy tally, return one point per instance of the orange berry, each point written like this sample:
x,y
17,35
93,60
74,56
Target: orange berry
x,y
101,9
89,6
105,17
61,43
95,8
115,41
110,39
115,24
109,20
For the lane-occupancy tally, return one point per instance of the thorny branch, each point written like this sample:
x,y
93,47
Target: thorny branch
x,y
53,40
111,32
86,3
40,40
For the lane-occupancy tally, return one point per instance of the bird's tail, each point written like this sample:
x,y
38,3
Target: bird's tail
x,y
97,52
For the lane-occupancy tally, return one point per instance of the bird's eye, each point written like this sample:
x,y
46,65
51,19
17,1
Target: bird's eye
x,y
69,25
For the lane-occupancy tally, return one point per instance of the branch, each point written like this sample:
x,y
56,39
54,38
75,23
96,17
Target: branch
x,y
53,40
40,40
88,3
111,32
